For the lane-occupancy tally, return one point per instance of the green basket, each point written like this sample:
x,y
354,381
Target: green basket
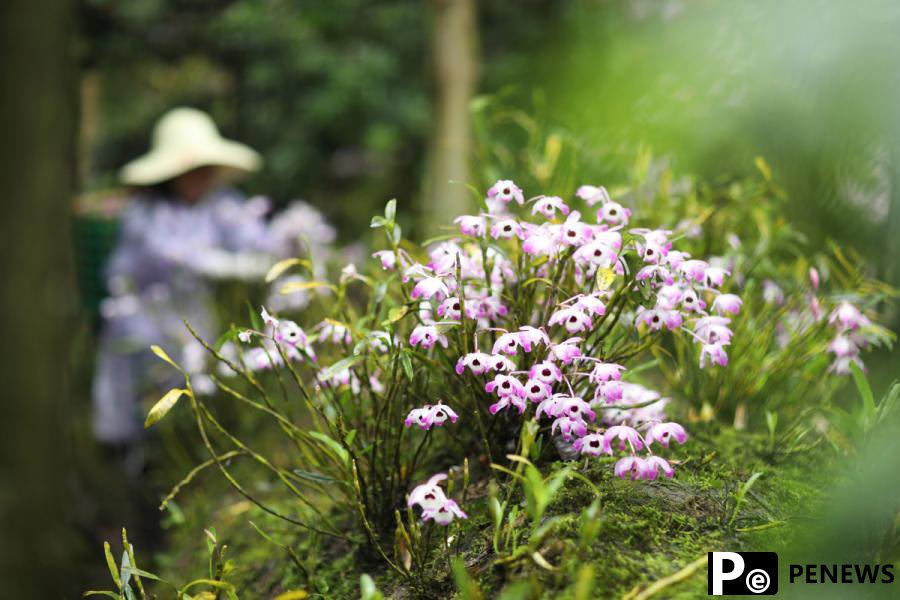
x,y
95,236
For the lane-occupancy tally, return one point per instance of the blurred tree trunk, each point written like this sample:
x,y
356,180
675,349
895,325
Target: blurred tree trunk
x,y
37,163
454,42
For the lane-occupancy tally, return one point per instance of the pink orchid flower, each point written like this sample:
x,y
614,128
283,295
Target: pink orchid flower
x,y
427,336
477,362
572,318
663,433
429,495
591,445
623,434
505,191
548,205
727,303
472,225
445,513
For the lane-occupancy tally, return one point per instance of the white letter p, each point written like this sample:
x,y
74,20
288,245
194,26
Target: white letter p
x,y
718,575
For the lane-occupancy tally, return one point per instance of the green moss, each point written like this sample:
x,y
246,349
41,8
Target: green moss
x,y
646,530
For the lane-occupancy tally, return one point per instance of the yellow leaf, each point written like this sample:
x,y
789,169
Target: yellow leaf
x,y
605,277
162,354
540,561
763,167
292,595
283,265
397,313
296,286
162,406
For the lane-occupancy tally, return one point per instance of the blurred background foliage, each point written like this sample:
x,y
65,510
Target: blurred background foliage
x,y
336,94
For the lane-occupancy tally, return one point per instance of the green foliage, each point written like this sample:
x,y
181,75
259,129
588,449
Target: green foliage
x,y
129,579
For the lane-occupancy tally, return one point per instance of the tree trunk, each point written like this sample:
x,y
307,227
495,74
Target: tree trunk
x,y
454,39
37,163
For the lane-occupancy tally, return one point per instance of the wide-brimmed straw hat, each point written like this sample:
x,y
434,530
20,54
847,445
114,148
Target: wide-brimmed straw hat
x,y
185,139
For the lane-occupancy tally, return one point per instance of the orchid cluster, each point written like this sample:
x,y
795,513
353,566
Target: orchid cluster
x,y
849,340
506,279
853,331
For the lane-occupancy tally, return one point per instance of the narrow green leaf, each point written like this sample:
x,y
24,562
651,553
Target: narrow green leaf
x,y
111,563
344,363
367,589
141,573
333,445
397,313
296,286
254,317
162,354
605,278
540,561
313,476
467,587
865,391
496,510
406,363
163,406
228,336
584,583
390,209
348,439
283,265
763,168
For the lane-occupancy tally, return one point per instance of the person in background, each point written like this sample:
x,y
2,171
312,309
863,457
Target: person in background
x,y
183,227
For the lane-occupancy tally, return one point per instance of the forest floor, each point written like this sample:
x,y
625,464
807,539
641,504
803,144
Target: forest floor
x,y
645,531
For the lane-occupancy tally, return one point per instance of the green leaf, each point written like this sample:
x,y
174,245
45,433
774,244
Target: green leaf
x,y
111,563
348,439
341,365
741,496
141,573
397,313
333,445
313,476
296,286
162,354
889,402
468,587
496,510
367,589
771,423
605,278
293,595
533,280
99,593
390,209
222,585
283,265
584,583
163,406
865,391
540,561
406,363
254,317
226,337
763,168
